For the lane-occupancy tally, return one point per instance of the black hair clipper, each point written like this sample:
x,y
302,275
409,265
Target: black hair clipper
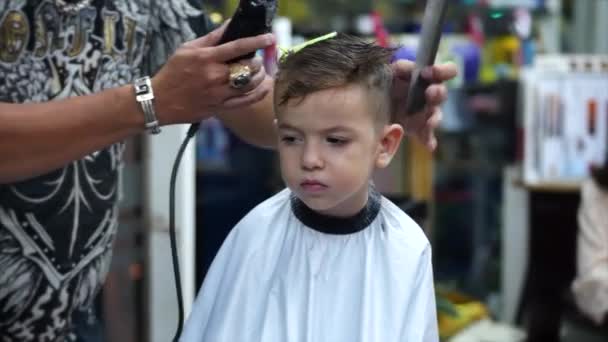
x,y
434,16
251,18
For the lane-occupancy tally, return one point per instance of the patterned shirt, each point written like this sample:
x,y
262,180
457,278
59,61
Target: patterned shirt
x,y
57,230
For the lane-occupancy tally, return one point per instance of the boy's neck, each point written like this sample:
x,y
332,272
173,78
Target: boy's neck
x,y
350,206
338,225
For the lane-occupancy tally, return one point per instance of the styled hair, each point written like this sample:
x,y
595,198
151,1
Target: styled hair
x,y
333,63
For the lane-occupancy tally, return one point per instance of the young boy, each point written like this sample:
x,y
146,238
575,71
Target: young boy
x,y
328,258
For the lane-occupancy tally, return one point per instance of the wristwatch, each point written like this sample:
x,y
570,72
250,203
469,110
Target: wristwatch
x,y
145,96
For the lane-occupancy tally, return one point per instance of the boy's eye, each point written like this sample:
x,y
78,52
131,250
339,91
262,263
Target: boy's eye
x,y
337,141
288,139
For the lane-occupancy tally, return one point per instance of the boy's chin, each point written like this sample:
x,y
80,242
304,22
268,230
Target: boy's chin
x,y
327,207
316,204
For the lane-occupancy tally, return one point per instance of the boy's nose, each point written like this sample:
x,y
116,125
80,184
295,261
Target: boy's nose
x,y
311,158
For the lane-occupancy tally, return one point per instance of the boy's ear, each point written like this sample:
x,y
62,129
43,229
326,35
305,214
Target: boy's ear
x,y
389,144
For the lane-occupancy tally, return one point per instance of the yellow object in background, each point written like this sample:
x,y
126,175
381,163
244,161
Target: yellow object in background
x,y
501,59
419,181
466,312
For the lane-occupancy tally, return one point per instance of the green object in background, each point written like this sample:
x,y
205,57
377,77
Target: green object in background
x,y
497,15
445,306
299,47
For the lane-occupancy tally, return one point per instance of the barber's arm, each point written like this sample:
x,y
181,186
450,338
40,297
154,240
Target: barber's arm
x,y
38,138
192,86
254,123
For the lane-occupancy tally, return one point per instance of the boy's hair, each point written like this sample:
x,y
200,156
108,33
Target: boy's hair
x,y
336,62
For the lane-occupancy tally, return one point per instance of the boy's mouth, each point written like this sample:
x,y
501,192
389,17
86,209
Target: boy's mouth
x,y
311,185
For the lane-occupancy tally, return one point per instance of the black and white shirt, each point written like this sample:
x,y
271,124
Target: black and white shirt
x,y
57,230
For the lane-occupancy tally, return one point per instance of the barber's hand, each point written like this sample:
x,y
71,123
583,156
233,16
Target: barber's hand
x,y
421,126
194,83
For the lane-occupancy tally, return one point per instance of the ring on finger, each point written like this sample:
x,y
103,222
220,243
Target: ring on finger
x,y
240,75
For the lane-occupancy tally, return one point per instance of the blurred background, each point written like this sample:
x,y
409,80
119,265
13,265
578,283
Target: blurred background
x,y
525,124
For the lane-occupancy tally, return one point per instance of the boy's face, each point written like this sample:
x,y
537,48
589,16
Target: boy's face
x,y
330,144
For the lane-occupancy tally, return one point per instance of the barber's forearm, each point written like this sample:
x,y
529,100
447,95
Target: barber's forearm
x,y
255,124
38,138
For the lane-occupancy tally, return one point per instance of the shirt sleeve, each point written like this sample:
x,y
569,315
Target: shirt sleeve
x,y
172,23
422,315
591,284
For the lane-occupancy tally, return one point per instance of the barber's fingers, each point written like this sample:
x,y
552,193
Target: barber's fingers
x,y
258,73
256,80
427,132
255,64
240,47
435,117
402,69
210,39
436,94
440,72
437,73
233,49
248,99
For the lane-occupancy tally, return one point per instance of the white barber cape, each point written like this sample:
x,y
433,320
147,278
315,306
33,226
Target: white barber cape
x,y
288,274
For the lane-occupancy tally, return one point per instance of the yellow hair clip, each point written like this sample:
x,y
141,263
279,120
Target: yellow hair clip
x,y
299,47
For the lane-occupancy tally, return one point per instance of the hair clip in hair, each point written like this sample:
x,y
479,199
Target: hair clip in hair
x,y
299,47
